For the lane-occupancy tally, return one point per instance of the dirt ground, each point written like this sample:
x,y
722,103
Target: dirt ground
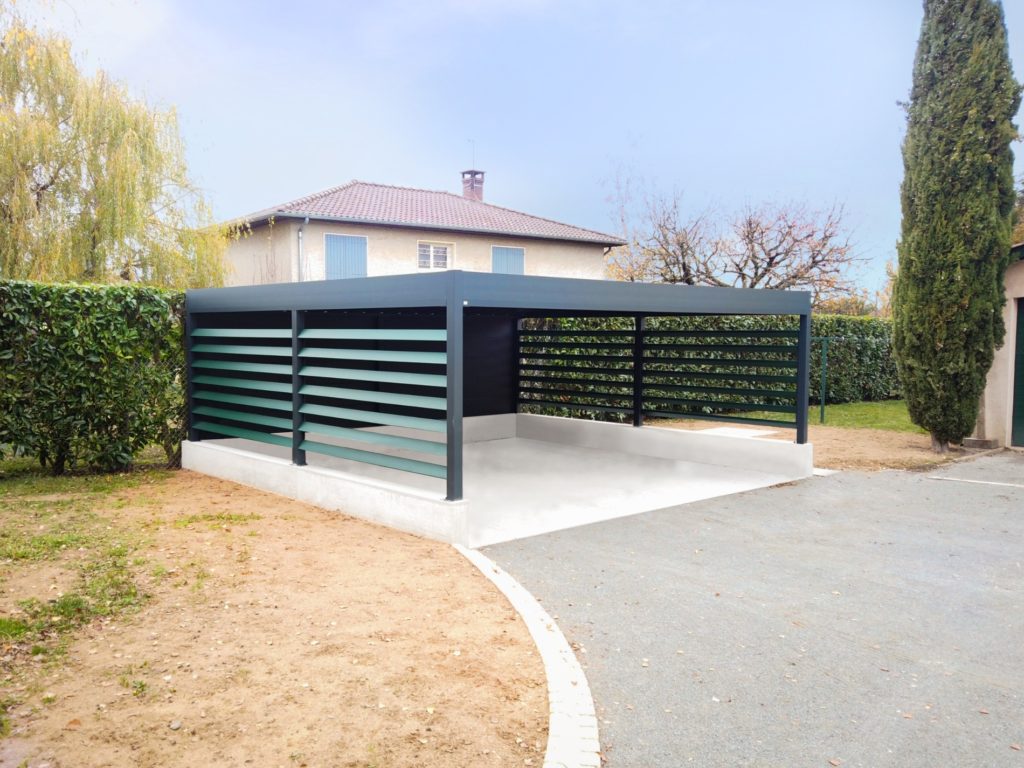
x,y
279,634
849,448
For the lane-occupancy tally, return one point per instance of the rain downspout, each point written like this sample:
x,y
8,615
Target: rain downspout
x,y
299,261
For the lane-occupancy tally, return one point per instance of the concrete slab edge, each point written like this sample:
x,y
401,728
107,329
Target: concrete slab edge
x,y
572,721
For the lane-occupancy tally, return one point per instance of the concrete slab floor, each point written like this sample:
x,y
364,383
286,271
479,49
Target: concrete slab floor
x,y
869,619
526,487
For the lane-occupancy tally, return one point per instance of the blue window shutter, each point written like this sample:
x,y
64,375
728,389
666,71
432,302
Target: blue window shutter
x,y
344,256
508,261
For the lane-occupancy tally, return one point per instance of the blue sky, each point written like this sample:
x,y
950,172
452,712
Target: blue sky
x,y
731,102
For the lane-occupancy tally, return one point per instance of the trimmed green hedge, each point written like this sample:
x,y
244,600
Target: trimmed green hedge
x,y
90,375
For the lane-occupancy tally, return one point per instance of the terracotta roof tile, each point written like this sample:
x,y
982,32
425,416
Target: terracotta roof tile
x,y
359,201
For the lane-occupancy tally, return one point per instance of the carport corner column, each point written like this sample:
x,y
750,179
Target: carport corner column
x,y
454,306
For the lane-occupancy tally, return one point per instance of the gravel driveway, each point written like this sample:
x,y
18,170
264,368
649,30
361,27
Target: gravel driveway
x,y
856,620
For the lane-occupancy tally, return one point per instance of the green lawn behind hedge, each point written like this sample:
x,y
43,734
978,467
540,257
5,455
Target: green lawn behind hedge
x,y
883,414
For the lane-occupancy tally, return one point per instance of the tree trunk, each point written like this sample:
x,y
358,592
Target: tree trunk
x,y
939,446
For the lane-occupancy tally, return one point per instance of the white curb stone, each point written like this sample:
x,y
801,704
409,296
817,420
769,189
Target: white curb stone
x,y
572,723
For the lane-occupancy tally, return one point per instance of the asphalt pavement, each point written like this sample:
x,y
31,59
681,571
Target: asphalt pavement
x,y
860,619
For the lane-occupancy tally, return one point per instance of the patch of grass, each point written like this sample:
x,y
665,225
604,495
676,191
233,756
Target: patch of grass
x,y
12,629
42,547
884,414
216,519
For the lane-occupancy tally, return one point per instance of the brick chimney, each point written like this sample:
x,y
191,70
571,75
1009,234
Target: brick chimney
x,y
473,185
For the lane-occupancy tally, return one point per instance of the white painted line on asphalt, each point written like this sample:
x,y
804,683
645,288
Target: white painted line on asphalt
x,y
976,482
572,722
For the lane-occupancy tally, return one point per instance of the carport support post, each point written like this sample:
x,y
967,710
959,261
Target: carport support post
x,y
639,324
193,433
453,360
803,372
298,455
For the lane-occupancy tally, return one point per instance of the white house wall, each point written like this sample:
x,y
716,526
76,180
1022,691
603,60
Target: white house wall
x,y
266,255
271,256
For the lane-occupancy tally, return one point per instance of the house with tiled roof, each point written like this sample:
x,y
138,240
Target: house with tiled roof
x,y
361,229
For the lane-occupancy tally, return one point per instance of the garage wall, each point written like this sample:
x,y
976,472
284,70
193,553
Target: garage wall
x,y
996,413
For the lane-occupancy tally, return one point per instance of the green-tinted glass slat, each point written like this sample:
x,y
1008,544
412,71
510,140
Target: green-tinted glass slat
x,y
249,434
245,333
248,418
256,402
375,334
224,381
231,365
389,377
370,396
373,417
376,355
378,438
242,349
380,459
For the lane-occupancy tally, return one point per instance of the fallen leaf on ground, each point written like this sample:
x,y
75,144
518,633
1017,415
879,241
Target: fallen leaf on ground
x,y
837,761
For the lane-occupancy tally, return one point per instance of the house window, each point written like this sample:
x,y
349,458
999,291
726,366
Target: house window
x,y
344,256
508,261
434,255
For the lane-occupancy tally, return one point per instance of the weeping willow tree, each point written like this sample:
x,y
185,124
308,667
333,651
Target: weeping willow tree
x,y
93,183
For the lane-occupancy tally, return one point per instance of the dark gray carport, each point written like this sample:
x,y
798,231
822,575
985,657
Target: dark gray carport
x,y
475,317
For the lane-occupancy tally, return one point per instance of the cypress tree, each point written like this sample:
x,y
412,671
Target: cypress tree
x,y
957,199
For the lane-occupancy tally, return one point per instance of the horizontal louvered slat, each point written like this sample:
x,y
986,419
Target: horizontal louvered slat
x,y
721,362
242,349
789,394
744,348
562,334
225,381
545,391
373,417
380,459
573,345
651,378
719,404
388,377
376,355
248,418
375,334
373,396
248,434
617,372
256,402
231,365
723,334
576,382
575,358
378,438
245,333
